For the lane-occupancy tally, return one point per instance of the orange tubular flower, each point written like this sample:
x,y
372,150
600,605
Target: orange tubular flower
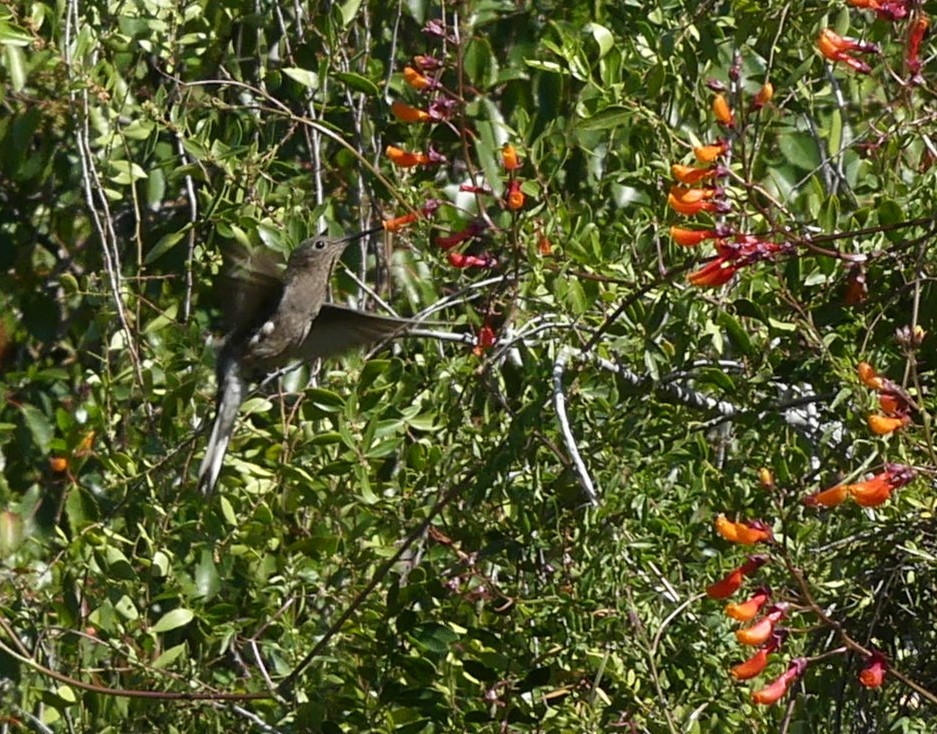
x,y
392,225
406,113
514,197
873,674
869,377
715,273
689,209
893,403
709,153
912,58
758,633
693,175
722,111
757,662
882,425
878,489
774,691
835,48
746,610
404,159
828,497
745,533
509,158
731,582
416,80
691,237
751,667
544,246
764,96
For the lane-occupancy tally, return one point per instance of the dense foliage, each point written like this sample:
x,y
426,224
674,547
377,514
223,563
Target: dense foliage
x,y
512,528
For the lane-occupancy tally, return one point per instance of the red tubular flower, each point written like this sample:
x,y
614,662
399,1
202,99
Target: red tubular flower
x,y
757,662
894,403
716,272
774,691
485,340
836,48
878,489
746,610
885,9
731,582
758,633
428,63
915,36
473,189
872,674
449,241
458,260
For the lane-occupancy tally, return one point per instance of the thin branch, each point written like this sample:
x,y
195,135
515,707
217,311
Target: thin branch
x,y
559,404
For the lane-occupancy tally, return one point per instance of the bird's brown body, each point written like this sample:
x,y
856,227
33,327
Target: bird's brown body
x,y
277,318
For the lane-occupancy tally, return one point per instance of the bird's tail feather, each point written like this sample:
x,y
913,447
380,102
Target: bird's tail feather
x,y
231,389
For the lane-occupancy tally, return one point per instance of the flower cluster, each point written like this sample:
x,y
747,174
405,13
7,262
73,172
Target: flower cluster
x,y
698,190
894,402
764,633
870,493
428,78
840,49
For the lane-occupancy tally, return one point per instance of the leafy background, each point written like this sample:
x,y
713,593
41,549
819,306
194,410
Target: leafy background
x,y
139,140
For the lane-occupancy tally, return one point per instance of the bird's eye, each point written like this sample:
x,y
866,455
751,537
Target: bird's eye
x,y
320,244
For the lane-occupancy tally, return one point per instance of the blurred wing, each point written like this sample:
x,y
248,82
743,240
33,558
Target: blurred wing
x,y
338,329
250,287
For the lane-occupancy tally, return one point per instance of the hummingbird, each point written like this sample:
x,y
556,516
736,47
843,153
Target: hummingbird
x,y
276,316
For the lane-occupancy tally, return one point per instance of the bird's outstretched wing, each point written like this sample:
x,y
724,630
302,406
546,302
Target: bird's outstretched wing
x,y
249,288
336,329
231,391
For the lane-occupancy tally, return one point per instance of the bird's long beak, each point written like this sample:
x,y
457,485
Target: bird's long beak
x,y
359,235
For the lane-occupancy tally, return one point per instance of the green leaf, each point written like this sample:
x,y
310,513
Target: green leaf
x,y
358,83
606,119
800,149
12,36
165,244
308,79
39,427
603,37
15,63
168,657
206,576
173,620
349,10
